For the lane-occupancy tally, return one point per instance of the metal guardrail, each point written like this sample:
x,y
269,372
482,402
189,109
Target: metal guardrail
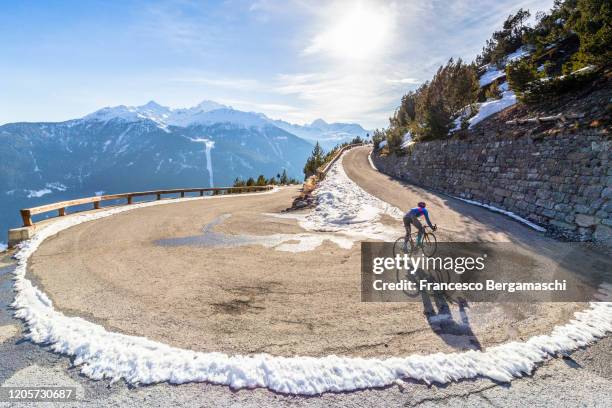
x,y
26,213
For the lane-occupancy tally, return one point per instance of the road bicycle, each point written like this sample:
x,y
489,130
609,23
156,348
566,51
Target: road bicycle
x,y
428,247
429,244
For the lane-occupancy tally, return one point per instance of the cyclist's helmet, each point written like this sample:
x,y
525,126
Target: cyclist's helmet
x,y
422,204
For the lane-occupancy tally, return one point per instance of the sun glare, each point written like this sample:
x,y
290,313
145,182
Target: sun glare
x,y
360,32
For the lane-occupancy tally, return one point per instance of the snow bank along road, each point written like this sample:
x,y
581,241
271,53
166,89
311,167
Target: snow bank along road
x,y
217,282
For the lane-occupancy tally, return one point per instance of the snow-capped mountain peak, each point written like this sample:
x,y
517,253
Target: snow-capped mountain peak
x,y
327,134
209,112
206,106
205,112
151,110
152,105
319,123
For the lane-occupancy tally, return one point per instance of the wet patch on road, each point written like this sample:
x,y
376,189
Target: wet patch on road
x,y
280,242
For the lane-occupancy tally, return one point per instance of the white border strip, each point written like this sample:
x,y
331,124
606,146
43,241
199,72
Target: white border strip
x,y
502,211
102,354
370,160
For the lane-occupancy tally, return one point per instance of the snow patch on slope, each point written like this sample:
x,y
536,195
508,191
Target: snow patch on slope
x,y
490,75
208,146
520,53
48,189
489,108
345,208
406,140
485,109
38,193
56,185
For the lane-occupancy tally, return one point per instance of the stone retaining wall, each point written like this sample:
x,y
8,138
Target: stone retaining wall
x,y
561,181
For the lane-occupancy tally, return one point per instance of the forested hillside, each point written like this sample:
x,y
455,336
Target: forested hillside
x,y
563,51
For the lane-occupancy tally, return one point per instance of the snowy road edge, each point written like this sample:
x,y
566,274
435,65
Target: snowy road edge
x,y
370,160
102,354
502,211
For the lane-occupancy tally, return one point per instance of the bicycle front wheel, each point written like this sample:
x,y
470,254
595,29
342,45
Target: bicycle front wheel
x,y
430,244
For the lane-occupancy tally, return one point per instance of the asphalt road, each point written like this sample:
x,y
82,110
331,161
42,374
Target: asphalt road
x,y
152,272
582,379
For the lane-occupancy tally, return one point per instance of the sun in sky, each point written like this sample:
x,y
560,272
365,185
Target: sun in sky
x,y
296,60
353,31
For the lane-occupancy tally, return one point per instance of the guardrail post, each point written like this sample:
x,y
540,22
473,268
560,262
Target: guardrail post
x,y
129,199
159,196
61,211
26,217
201,193
96,205
182,194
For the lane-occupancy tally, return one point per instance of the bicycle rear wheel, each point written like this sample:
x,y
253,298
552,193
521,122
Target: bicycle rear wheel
x,y
401,247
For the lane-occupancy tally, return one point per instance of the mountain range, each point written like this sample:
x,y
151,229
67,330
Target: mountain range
x,y
129,148
208,112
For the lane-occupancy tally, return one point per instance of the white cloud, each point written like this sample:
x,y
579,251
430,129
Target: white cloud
x,y
403,81
356,30
338,95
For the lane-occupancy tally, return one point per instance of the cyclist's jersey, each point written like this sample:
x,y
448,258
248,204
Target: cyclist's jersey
x,y
417,212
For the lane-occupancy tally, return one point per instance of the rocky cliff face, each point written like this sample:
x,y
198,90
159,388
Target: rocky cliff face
x,y
556,174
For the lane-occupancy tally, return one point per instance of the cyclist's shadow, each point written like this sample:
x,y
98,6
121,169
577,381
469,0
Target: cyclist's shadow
x,y
457,334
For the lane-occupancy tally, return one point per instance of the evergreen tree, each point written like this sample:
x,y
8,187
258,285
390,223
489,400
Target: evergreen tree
x,y
406,111
520,74
239,182
506,40
356,140
453,87
261,180
592,21
378,137
315,160
284,179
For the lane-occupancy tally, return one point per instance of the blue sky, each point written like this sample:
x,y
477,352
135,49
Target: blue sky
x,y
296,60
